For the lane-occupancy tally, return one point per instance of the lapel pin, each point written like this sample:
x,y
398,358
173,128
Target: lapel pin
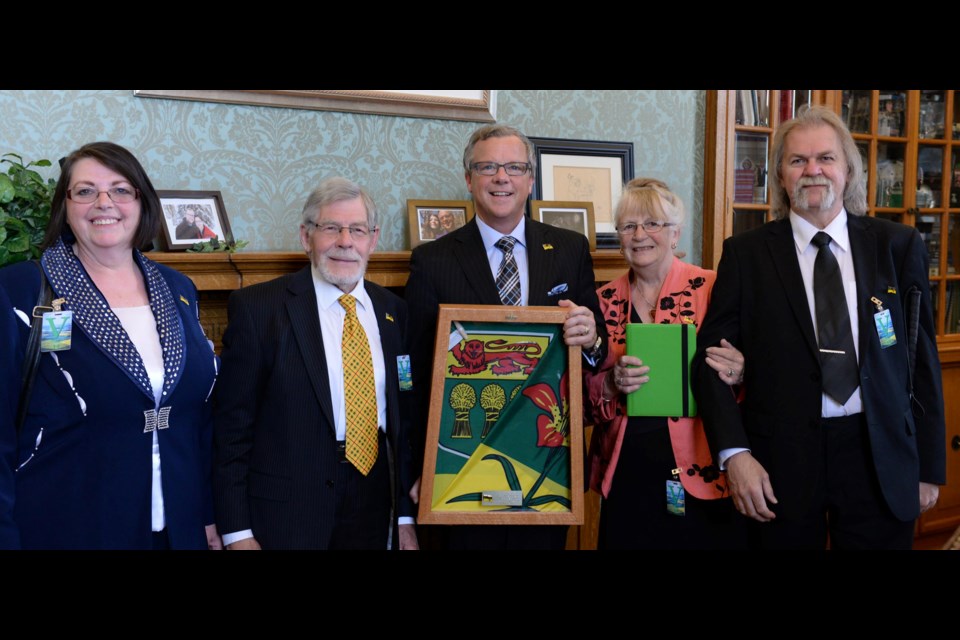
x,y
184,301
389,317
891,289
547,247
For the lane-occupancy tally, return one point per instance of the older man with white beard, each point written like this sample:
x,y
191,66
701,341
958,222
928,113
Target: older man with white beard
x,y
840,433
311,445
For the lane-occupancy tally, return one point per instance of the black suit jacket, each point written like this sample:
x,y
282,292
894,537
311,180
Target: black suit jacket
x,y
455,270
274,433
760,305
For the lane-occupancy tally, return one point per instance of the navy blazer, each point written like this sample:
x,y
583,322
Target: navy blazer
x,y
759,304
80,474
455,270
275,437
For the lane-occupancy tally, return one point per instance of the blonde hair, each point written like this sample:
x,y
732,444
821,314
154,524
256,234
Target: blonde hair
x,y
651,197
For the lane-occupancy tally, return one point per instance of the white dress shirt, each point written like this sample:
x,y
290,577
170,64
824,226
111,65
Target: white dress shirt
x,y
331,328
491,236
803,233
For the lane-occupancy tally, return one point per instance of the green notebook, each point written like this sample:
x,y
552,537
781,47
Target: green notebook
x,y
668,350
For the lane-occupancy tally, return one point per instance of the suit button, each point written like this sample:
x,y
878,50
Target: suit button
x,y
330,483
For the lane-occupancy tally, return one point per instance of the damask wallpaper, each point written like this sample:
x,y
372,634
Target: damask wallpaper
x,y
265,160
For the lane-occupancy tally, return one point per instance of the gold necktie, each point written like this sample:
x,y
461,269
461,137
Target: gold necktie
x,y
358,390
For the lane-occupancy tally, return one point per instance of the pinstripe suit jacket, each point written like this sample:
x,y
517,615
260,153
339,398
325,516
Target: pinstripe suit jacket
x,y
455,270
274,435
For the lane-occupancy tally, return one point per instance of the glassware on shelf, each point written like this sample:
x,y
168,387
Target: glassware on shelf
x,y
932,114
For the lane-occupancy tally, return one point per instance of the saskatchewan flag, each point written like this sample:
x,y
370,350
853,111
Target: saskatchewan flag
x,y
504,424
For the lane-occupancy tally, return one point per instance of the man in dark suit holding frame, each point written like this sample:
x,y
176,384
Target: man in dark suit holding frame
x,y
502,257
832,437
311,445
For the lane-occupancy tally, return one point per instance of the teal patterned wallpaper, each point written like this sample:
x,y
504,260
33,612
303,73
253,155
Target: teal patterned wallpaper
x,y
265,160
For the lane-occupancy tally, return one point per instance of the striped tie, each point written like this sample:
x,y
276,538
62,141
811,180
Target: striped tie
x,y
359,391
508,276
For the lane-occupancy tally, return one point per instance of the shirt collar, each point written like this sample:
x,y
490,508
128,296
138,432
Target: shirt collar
x,y
803,231
329,295
490,235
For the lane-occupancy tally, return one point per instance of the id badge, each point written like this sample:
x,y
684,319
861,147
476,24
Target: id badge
x,y
55,330
403,371
676,498
885,328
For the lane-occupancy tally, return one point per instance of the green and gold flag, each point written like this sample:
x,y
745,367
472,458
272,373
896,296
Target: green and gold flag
x,y
504,426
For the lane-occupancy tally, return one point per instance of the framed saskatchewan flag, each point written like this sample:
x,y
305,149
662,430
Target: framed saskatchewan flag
x,y
505,435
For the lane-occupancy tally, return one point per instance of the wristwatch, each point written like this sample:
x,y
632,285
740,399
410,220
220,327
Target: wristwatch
x,y
594,351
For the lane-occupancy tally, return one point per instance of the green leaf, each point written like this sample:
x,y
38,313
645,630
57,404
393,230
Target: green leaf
x,y
467,497
550,498
18,243
39,163
512,481
7,190
3,234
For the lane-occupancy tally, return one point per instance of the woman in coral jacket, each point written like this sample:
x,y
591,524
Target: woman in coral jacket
x,y
661,488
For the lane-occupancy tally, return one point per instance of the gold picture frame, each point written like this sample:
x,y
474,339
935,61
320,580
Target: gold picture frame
x,y
449,215
575,216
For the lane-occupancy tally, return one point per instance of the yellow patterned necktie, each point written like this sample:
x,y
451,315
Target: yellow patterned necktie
x,y
358,390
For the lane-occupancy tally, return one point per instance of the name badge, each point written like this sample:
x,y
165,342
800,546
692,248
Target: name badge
x,y
403,371
55,330
885,328
676,498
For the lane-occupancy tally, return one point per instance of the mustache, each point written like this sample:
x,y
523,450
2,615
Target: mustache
x,y
343,254
813,181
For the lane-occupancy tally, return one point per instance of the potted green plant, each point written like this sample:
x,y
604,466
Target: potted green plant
x,y
24,209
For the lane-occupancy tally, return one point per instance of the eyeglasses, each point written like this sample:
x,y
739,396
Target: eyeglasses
x,y
331,230
491,168
650,227
119,195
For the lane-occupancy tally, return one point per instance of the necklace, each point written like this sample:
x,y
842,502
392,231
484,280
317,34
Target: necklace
x,y
652,305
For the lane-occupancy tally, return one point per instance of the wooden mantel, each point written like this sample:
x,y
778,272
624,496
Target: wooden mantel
x,y
227,272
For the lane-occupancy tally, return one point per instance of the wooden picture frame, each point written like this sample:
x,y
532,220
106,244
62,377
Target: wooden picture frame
x,y
589,170
478,105
450,215
497,455
575,216
178,208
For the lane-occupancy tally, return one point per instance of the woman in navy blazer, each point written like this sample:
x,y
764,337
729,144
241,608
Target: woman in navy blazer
x,y
115,449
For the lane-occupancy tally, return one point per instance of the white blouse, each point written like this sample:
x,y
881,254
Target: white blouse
x,y
141,327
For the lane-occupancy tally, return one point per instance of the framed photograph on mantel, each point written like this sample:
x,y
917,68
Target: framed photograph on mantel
x,y
432,219
504,436
575,216
584,170
193,216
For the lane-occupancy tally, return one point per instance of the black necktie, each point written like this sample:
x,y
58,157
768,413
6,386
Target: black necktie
x,y
838,359
508,276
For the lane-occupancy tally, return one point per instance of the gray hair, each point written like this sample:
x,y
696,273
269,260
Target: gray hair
x,y
854,193
337,189
498,131
652,197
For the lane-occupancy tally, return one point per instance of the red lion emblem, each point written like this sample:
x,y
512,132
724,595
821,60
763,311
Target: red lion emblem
x,y
501,357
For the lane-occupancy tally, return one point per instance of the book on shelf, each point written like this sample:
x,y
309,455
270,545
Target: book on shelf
x,y
746,100
763,107
743,183
786,105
